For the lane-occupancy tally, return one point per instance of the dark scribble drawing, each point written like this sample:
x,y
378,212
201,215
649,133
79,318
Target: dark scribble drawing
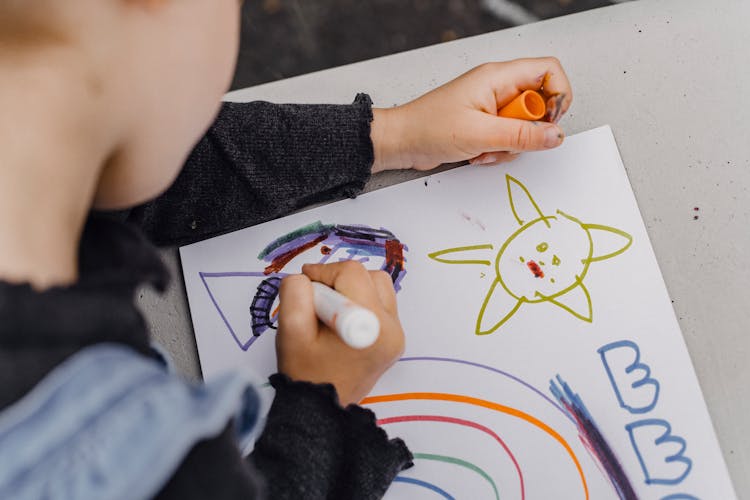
x,y
333,241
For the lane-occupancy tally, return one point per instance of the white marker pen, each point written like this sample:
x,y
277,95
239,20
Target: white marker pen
x,y
358,327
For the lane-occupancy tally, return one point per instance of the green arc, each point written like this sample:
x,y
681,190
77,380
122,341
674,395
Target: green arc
x,y
461,463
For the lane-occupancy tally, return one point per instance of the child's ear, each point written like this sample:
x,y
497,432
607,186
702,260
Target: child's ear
x,y
608,242
522,205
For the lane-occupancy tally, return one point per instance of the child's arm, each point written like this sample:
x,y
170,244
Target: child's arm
x,y
260,160
312,447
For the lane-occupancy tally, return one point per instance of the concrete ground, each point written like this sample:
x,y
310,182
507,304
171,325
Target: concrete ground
x,y
284,38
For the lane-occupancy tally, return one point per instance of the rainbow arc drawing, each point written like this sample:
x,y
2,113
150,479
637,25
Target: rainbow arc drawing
x,y
505,439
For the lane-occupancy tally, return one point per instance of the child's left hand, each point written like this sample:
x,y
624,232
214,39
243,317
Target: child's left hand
x,y
458,121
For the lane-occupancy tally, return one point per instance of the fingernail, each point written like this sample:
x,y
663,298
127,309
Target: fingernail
x,y
484,160
554,107
549,117
553,137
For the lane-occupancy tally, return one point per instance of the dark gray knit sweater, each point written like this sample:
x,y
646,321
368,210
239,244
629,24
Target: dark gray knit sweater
x,y
257,162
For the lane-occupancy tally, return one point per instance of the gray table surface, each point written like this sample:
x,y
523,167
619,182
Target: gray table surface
x,y
671,78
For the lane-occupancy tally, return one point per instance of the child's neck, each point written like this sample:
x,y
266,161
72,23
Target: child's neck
x,y
51,153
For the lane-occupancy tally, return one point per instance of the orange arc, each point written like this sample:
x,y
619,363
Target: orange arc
x,y
457,398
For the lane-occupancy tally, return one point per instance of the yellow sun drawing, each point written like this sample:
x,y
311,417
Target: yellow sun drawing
x,y
544,261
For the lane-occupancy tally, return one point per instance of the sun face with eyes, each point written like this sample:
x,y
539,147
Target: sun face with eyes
x,y
545,260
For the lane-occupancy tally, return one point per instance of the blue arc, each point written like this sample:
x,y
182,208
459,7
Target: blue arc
x,y
424,484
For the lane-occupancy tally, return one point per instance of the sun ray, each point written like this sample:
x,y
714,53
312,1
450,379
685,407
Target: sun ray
x,y
468,251
575,299
594,228
515,206
497,303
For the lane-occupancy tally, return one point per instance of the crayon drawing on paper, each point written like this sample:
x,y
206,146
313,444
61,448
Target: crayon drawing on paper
x,y
544,261
543,358
316,242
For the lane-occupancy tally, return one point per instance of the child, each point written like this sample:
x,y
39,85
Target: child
x,y
101,103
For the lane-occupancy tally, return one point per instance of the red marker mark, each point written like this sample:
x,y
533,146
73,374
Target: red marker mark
x,y
325,250
534,268
394,256
279,262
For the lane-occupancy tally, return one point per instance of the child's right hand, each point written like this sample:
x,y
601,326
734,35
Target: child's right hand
x,y
307,350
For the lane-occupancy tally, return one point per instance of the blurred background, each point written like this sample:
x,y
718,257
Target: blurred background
x,y
283,38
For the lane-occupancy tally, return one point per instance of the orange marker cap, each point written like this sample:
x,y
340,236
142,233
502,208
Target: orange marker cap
x,y
527,106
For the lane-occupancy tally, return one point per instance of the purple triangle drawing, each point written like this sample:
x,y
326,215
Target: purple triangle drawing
x,y
244,301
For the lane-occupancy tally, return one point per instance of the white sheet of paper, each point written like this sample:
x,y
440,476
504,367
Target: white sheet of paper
x,y
477,410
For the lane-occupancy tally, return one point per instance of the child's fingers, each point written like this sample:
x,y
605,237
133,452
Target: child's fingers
x,y
384,288
297,319
557,105
348,277
508,134
543,73
494,157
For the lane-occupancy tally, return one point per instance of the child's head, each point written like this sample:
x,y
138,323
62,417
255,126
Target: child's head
x,y
152,72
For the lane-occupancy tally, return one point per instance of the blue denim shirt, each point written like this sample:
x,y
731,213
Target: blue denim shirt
x,y
109,423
